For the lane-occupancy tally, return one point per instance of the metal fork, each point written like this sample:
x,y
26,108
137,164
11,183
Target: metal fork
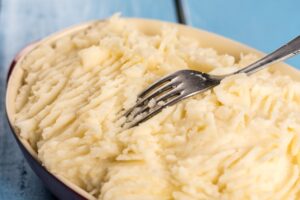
x,y
185,83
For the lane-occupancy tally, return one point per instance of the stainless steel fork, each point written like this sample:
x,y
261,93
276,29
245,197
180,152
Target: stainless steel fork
x,y
185,83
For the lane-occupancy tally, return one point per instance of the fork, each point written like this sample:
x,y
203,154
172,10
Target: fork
x,y
186,83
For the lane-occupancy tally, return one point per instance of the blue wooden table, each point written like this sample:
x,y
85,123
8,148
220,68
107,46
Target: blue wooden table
x,y
262,24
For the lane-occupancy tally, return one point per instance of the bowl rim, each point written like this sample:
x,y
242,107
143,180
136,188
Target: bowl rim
x,y
207,39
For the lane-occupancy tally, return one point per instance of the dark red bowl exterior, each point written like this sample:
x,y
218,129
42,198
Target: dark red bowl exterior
x,y
57,187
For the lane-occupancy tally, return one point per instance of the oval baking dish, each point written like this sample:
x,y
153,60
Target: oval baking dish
x,y
59,186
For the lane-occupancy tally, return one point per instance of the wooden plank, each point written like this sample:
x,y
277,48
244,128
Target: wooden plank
x,y
24,21
264,25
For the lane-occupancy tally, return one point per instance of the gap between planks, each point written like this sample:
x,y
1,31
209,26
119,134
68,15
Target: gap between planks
x,y
180,11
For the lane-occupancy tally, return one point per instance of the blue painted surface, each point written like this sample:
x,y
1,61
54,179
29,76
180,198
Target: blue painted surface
x,y
23,21
264,25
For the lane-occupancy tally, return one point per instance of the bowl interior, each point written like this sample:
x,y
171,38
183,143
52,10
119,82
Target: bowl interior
x,y
206,39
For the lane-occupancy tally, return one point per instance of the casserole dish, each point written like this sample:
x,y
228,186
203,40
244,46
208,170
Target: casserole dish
x,y
58,185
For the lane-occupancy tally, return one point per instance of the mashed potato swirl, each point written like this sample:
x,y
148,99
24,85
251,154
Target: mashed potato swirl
x,y
239,141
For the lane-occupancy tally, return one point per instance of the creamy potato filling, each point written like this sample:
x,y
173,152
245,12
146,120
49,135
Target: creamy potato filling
x,y
238,141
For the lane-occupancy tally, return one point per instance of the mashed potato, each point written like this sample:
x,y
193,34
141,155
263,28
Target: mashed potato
x,y
239,141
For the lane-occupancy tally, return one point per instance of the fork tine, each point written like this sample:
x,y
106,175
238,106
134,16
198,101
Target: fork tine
x,y
145,107
151,88
169,94
155,111
160,90
156,84
146,99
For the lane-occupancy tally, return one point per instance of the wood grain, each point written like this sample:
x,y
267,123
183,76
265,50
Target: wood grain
x,y
23,21
264,25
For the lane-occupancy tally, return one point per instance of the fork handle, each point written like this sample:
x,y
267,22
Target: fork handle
x,y
288,50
